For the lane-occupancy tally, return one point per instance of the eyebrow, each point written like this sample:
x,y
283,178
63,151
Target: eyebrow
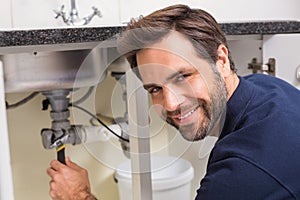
x,y
174,75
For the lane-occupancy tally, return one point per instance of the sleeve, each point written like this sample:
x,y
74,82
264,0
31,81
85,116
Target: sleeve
x,y
235,178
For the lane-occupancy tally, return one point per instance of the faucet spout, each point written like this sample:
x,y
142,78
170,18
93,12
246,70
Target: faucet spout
x,y
74,12
73,4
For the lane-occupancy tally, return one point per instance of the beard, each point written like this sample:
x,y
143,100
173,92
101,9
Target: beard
x,y
210,112
192,131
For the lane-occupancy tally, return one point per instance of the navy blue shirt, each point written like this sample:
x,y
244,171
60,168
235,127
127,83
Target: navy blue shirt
x,y
257,156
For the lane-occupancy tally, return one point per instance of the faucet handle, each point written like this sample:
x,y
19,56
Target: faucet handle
x,y
97,12
60,12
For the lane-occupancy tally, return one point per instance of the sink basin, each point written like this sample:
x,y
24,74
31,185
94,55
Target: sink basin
x,y
47,70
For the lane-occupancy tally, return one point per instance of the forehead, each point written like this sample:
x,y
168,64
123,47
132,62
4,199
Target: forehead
x,y
156,65
173,54
173,44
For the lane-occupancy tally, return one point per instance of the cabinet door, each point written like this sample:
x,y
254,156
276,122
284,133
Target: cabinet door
x,y
285,49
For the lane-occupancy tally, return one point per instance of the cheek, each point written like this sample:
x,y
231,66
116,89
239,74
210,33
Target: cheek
x,y
198,89
156,100
159,110
157,103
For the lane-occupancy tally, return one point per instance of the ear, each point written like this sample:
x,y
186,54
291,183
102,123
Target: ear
x,y
223,63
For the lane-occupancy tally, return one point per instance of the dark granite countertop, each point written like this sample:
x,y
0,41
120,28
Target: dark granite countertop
x,y
13,38
267,27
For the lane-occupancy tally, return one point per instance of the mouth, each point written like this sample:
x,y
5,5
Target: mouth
x,y
186,115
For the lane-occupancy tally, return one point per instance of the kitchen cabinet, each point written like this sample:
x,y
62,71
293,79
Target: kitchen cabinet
x,y
285,49
277,35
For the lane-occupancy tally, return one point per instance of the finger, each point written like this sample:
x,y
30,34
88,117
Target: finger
x,y
51,184
56,165
51,172
52,190
72,164
52,194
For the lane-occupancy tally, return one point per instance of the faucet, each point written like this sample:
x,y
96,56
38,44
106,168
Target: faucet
x,y
73,18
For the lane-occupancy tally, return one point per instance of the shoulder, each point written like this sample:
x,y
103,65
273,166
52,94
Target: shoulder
x,y
236,178
268,82
272,95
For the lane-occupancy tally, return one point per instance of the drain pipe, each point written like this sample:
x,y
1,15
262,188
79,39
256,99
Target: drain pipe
x,y
59,132
62,132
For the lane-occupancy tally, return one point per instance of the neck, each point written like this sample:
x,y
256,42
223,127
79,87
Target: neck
x,y
232,81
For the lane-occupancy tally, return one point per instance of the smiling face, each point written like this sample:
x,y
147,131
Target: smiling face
x,y
186,91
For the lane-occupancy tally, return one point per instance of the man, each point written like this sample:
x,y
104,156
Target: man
x,y
182,58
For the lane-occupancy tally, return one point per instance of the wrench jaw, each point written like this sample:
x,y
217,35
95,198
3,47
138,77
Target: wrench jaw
x,y
50,141
60,142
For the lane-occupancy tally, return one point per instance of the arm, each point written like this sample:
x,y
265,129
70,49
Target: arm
x,y
69,182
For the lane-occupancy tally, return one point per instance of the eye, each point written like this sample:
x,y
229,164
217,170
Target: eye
x,y
182,77
154,90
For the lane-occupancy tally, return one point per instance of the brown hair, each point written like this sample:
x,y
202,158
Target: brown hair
x,y
196,24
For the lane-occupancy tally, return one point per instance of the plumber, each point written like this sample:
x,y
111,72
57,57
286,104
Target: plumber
x,y
182,57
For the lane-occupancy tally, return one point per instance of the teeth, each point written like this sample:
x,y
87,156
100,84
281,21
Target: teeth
x,y
188,114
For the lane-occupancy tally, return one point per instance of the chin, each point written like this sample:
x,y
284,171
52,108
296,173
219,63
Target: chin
x,y
193,136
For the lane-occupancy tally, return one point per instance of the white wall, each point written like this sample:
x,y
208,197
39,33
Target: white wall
x,y
15,13
28,14
223,11
5,14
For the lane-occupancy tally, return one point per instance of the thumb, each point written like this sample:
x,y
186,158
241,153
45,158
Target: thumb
x,y
72,164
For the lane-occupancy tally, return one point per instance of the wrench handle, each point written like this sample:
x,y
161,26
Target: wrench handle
x,y
61,154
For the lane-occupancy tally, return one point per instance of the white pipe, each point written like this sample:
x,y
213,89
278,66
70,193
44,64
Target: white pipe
x,y
6,180
99,133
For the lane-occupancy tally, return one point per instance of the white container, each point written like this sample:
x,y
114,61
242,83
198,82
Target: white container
x,y
171,178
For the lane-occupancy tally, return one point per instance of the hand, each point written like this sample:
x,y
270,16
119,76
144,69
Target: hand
x,y
69,182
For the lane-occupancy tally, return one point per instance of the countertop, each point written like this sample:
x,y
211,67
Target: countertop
x,y
13,38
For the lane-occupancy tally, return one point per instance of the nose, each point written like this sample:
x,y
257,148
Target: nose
x,y
172,99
